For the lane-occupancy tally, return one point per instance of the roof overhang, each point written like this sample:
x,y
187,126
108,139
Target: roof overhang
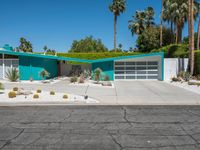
x,y
25,54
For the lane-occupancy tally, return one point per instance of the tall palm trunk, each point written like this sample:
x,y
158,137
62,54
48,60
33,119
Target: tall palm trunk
x,y
191,36
161,26
179,31
172,33
115,33
198,37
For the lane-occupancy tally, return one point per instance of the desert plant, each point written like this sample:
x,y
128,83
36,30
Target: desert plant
x,y
106,78
36,96
12,94
81,79
65,96
1,86
73,79
97,74
44,74
12,74
187,76
15,89
52,93
39,91
175,79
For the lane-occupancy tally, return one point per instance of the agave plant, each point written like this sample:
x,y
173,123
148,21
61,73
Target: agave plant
x,y
44,74
97,74
12,74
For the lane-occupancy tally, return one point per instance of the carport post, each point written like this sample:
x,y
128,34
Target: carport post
x,y
3,66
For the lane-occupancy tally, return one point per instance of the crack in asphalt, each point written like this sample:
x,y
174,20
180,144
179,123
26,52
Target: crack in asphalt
x,y
10,140
116,142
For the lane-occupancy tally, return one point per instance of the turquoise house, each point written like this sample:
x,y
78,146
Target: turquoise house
x,y
135,67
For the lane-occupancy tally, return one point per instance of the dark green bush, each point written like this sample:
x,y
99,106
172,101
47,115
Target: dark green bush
x,y
174,51
197,63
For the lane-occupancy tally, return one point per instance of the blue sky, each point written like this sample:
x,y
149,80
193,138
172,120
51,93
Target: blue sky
x,y
56,23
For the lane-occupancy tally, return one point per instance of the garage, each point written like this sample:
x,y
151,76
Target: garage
x,y
134,67
143,68
136,70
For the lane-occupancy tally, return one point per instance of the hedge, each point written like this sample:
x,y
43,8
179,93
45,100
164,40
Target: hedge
x,y
174,51
197,63
94,56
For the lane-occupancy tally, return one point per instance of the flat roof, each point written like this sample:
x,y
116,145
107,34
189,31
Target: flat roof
x,y
161,54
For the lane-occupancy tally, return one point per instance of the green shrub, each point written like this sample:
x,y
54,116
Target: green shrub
x,y
106,78
44,74
73,79
36,96
52,93
65,96
174,51
1,86
39,91
197,63
12,75
12,94
15,89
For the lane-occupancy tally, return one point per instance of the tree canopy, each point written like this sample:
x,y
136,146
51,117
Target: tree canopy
x,y
149,39
88,45
25,46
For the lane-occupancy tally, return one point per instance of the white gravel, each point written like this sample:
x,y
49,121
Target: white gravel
x,y
45,97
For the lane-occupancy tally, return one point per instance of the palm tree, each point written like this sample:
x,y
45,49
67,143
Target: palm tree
x,y
191,36
161,26
168,16
176,11
117,7
141,21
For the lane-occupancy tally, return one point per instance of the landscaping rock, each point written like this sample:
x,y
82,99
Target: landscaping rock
x,y
107,83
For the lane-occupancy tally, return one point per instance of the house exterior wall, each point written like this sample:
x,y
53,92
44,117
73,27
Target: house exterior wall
x,y
173,66
107,67
67,68
30,67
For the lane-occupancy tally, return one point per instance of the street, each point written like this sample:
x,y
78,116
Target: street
x,y
100,127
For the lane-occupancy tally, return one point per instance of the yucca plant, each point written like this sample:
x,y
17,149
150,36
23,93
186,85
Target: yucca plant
x,y
44,74
12,75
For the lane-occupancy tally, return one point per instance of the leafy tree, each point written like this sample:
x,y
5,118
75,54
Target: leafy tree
x,y
25,46
149,39
88,45
142,20
117,7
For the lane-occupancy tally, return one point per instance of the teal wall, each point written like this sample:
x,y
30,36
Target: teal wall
x,y
32,66
107,67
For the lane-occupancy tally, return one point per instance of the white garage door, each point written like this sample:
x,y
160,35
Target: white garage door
x,y
136,70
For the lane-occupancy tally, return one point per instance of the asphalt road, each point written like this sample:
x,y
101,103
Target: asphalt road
x,y
100,128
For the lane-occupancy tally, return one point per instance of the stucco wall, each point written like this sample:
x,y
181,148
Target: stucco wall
x,y
32,66
172,66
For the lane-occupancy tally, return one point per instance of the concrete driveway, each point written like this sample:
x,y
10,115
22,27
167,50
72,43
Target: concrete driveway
x,y
125,93
153,93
